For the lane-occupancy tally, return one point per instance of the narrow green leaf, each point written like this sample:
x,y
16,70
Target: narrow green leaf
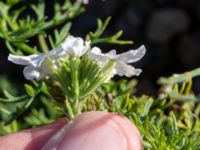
x,y
147,107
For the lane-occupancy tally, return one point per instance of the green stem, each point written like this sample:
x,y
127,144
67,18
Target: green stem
x,y
43,44
76,88
178,78
75,82
74,77
69,109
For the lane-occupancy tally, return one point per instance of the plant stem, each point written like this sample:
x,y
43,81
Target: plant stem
x,y
74,77
69,109
75,82
178,78
43,44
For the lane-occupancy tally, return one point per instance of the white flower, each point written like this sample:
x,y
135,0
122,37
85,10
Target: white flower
x,y
122,60
39,66
75,46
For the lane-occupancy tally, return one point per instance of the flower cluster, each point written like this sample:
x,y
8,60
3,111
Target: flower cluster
x,y
39,66
78,68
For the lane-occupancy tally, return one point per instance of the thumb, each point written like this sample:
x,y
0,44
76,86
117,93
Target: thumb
x,y
96,131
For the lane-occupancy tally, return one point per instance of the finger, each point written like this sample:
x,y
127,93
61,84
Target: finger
x,y
99,131
31,139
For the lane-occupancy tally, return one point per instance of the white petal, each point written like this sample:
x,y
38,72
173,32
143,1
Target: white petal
x,y
57,53
31,73
86,47
74,46
21,60
112,54
132,55
95,54
34,60
38,73
123,69
96,51
46,68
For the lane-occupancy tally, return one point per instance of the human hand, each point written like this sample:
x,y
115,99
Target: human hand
x,y
89,131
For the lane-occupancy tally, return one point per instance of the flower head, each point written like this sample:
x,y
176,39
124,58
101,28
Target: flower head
x,y
42,65
39,66
122,60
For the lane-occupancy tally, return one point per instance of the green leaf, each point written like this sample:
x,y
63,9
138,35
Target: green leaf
x,y
147,107
12,2
39,10
95,37
62,34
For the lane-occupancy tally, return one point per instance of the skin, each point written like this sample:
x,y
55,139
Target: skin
x,y
89,131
